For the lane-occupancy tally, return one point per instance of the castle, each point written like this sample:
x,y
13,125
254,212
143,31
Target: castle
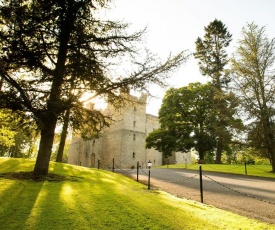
x,y
124,141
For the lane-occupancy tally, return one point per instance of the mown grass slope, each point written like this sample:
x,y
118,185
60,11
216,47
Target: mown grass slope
x,y
83,198
250,170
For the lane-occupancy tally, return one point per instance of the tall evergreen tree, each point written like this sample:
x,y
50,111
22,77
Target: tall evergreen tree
x,y
212,56
47,45
211,53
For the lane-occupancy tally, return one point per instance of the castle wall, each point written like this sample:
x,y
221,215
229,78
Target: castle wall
x,y
85,152
123,141
111,148
153,155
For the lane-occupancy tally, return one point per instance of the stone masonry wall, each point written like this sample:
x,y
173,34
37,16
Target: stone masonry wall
x,y
123,141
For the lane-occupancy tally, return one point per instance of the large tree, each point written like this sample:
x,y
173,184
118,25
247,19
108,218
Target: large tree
x,y
186,117
253,68
50,45
212,56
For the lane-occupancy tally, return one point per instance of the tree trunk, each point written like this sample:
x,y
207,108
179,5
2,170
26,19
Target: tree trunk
x,y
201,157
59,157
219,152
45,147
273,162
269,137
1,83
271,150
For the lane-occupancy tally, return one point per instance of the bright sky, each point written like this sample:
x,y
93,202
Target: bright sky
x,y
174,25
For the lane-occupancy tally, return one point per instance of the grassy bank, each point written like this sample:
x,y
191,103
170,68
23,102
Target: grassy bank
x,y
251,170
82,198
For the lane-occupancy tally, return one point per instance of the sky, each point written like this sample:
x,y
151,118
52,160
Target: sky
x,y
174,25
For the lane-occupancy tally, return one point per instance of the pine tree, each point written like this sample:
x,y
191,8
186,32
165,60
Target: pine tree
x,y
212,56
48,45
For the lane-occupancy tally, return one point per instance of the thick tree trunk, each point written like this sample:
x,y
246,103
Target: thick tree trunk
x,y
269,138
59,157
201,157
219,152
45,147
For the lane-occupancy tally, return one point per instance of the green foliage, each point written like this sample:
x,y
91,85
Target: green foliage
x,y
6,133
211,52
209,158
95,199
185,116
212,56
161,140
253,74
17,134
54,52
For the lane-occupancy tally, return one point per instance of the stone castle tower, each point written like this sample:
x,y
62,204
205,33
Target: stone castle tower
x,y
123,141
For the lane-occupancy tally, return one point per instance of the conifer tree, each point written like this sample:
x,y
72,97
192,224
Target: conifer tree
x,y
48,45
212,56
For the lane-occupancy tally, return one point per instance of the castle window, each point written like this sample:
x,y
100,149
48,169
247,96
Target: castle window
x,y
93,142
134,124
134,137
134,155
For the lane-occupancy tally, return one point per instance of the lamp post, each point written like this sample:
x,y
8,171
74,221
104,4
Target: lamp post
x,y
149,167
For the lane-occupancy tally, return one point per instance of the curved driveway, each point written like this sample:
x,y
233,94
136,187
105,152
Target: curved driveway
x,y
253,197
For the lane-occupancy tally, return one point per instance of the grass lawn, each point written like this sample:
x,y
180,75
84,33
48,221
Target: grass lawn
x,y
251,170
84,198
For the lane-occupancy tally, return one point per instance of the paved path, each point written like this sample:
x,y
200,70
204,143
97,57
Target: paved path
x,y
249,196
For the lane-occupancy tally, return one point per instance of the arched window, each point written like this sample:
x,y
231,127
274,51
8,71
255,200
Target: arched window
x,y
134,155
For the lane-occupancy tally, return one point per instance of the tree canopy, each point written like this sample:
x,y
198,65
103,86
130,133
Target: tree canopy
x,y
55,51
186,117
211,52
253,75
213,58
17,134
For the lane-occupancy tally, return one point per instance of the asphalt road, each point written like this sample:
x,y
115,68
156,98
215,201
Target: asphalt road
x,y
253,197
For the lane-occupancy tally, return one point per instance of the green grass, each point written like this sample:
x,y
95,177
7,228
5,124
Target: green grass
x,y
252,170
97,199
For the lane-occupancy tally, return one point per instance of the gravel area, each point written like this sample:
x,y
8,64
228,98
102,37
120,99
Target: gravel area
x,y
251,199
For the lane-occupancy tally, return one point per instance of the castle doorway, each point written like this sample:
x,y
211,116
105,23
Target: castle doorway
x,y
93,160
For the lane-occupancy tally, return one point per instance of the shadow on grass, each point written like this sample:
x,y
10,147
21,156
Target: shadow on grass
x,y
17,202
